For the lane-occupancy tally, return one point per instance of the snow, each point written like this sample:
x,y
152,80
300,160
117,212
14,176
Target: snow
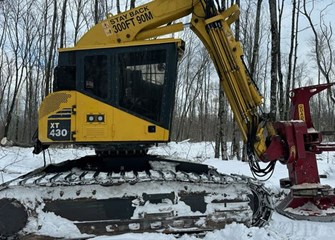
x,y
15,161
309,207
50,224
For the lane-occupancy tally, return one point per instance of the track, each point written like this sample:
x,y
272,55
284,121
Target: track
x,y
104,196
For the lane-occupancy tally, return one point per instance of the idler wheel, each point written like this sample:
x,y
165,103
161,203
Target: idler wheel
x,y
13,217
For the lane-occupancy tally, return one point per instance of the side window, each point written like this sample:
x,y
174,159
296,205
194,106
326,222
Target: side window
x,y
142,77
64,78
65,72
95,75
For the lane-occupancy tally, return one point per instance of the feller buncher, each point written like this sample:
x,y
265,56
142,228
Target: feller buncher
x,y
114,90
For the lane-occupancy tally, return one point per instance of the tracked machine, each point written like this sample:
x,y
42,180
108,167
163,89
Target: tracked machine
x,y
114,91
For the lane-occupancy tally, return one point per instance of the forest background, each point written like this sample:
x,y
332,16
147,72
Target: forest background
x,y
287,44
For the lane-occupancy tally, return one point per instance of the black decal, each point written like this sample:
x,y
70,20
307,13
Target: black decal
x,y
59,130
144,17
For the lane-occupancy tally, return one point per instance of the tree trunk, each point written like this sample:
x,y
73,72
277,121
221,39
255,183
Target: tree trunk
x,y
255,52
295,48
274,59
235,143
237,25
236,136
77,23
290,60
48,72
281,103
132,4
118,9
221,137
63,24
96,11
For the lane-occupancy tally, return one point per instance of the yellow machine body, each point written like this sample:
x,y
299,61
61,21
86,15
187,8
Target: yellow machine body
x,y
70,116
143,27
94,111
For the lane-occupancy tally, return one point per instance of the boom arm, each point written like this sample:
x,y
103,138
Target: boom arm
x,y
213,28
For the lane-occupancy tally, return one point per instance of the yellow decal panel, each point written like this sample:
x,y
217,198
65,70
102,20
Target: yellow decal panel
x,y
127,20
301,111
56,117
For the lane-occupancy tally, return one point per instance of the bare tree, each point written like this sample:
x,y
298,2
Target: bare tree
x,y
63,24
323,54
236,139
221,135
255,52
96,11
274,58
78,21
193,117
51,52
281,102
118,8
237,23
3,79
292,55
132,4
19,44
32,82
295,62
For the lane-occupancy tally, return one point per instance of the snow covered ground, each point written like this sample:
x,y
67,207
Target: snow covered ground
x,y
15,161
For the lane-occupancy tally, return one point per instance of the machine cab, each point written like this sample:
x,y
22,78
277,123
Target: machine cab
x,y
137,79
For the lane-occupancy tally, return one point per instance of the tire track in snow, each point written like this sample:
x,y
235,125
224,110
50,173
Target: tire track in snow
x,y
288,229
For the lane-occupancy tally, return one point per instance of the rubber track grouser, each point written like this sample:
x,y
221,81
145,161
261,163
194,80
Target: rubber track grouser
x,y
104,197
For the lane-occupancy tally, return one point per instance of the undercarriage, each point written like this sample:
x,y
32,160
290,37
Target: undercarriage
x,y
104,196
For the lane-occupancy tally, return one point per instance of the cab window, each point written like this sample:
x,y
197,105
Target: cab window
x,y
95,75
142,77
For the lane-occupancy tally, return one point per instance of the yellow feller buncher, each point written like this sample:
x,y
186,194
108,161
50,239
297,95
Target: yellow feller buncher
x,y
115,91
